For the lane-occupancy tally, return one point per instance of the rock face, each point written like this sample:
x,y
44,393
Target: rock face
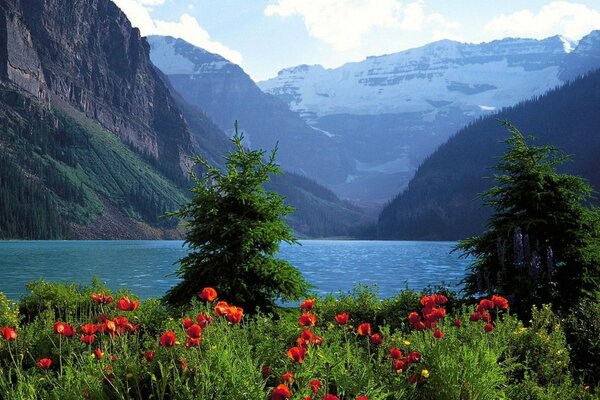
x,y
86,54
390,112
226,93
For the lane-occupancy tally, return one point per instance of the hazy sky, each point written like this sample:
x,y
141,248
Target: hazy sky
x,y
265,36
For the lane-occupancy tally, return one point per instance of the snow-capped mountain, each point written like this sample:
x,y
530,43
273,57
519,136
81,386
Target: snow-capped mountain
x,y
390,112
226,93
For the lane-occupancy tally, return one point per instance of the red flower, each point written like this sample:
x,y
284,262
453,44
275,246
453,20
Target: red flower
x,y
485,304
500,302
330,397
413,357
149,356
486,316
308,304
44,363
395,353
364,329
414,318
126,304
440,299
89,329
399,365
123,325
98,354
315,385
221,308
428,301
203,320
101,298
168,339
308,338
419,326
192,342
266,371
307,319
194,331
376,339
438,334
109,326
234,314
476,316
208,294
88,339
297,354
488,327
342,318
288,377
112,357
457,323
362,398
281,392
187,322
64,329
9,334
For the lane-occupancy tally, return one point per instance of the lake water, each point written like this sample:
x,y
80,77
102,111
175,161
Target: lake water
x,y
144,266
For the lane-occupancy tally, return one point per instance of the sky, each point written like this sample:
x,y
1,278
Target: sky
x,y
266,36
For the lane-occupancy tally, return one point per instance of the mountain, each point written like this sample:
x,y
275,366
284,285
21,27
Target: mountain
x,y
441,201
226,93
390,112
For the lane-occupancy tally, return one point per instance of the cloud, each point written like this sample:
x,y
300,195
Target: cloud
x,y
558,17
342,23
187,28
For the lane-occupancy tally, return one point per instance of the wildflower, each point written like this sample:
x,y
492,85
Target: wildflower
x,y
315,385
204,320
413,357
192,342
500,302
364,329
438,334
149,356
187,322
126,304
266,371
234,314
113,358
221,308
308,338
488,327
44,363
414,318
308,304
281,392
64,329
89,329
485,304
395,353
406,343
330,397
288,377
101,298
183,364
476,316
342,319
9,334
86,393
362,398
208,294
168,339
425,373
88,339
307,319
98,354
109,326
440,299
194,331
376,339
419,326
297,354
457,323
399,366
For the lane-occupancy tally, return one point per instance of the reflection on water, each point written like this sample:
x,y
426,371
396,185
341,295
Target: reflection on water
x,y
147,267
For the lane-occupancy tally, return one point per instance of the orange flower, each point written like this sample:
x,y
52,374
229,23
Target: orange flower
x,y
308,304
297,354
288,377
44,363
438,334
315,385
101,298
221,308
168,339
234,314
281,392
9,334
126,304
364,329
194,331
98,354
208,294
395,353
342,318
109,326
307,319
203,320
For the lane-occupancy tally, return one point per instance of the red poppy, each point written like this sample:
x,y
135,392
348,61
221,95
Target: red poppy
x,y
486,316
281,392
101,298
395,353
476,316
488,327
440,299
203,320
221,308
89,329
149,356
266,371
315,385
308,304
187,322
428,301
429,324
438,334
376,339
329,396
364,329
399,365
109,326
123,325
288,377
413,357
234,314
362,398
98,354
64,329
192,342
88,339
485,304
500,302
208,294
457,323
126,304
44,363
419,326
297,354
307,319
168,339
342,318
194,331
414,318
9,334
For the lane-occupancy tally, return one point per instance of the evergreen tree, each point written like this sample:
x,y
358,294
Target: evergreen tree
x,y
235,228
542,242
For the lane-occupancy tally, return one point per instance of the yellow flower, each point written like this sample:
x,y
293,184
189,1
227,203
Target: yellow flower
x,y
425,373
129,375
406,343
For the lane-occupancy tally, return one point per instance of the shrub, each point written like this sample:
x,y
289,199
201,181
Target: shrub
x,y
583,334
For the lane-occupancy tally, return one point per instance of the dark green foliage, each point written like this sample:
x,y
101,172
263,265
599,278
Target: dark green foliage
x,y
583,332
541,244
235,228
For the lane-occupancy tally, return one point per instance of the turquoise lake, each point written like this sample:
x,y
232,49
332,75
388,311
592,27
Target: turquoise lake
x,y
146,267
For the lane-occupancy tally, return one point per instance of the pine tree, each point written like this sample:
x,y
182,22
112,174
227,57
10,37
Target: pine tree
x,y
235,228
542,244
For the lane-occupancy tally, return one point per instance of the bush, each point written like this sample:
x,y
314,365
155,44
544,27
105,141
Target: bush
x,y
583,334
